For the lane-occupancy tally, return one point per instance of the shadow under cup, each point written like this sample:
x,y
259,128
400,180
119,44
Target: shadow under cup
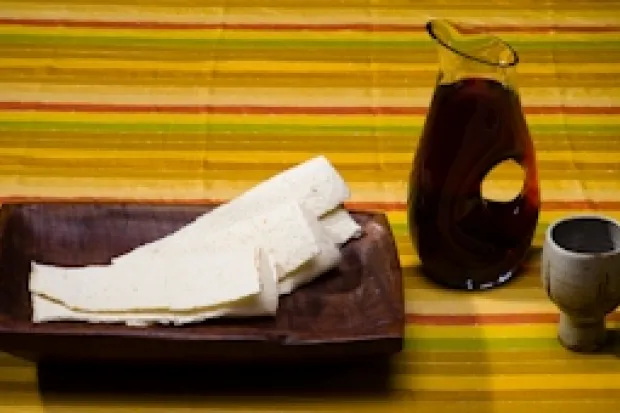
x,y
581,275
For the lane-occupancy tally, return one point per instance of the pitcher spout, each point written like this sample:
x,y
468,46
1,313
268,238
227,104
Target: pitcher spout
x,y
465,53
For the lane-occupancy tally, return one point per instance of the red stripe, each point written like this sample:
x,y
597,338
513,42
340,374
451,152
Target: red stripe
x,y
473,319
201,109
360,206
109,200
368,27
278,110
546,206
572,110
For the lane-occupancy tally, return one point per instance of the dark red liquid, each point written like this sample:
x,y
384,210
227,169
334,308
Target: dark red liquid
x,y
463,240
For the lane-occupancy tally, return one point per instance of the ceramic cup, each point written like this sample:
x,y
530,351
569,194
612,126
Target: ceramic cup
x,y
580,272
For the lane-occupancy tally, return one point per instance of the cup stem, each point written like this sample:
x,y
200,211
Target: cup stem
x,y
581,336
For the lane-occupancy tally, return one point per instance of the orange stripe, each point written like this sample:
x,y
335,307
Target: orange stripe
x,y
284,110
472,319
369,27
353,206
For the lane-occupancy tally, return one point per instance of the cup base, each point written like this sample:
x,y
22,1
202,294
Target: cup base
x,y
583,337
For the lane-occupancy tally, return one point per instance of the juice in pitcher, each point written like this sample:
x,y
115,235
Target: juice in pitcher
x,y
475,122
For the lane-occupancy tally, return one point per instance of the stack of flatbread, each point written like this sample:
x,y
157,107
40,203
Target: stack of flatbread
x,y
236,260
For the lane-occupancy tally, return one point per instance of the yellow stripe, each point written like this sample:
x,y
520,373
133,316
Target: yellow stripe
x,y
236,34
456,306
230,66
91,403
196,184
236,119
408,258
9,360
505,382
25,400
284,96
17,374
514,367
551,354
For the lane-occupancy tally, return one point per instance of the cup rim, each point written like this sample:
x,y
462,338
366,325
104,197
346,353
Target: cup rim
x,y
550,241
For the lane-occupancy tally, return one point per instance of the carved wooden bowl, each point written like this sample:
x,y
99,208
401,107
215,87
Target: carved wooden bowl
x,y
356,310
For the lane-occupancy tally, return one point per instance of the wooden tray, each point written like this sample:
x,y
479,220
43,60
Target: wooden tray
x,y
356,309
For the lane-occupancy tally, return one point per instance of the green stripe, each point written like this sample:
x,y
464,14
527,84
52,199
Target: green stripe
x,y
401,230
386,55
490,344
581,129
358,172
123,42
206,128
281,129
479,344
404,144
414,44
155,77
187,173
389,143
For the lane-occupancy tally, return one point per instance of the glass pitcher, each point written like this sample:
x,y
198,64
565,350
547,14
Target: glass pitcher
x,y
475,122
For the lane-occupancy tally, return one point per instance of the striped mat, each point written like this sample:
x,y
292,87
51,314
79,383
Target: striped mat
x,y
187,100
